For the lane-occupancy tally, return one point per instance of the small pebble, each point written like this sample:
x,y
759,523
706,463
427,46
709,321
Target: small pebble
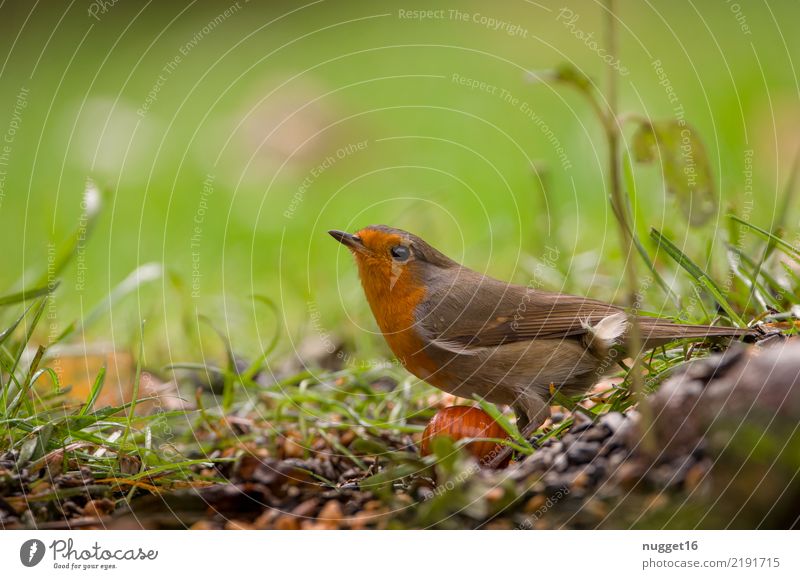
x,y
596,434
306,508
560,463
582,452
287,523
332,510
613,420
578,428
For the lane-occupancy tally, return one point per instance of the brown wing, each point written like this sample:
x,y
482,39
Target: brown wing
x,y
472,310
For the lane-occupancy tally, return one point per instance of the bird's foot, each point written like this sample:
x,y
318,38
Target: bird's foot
x,y
504,454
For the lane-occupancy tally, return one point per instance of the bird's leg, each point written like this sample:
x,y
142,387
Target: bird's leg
x,y
506,451
526,426
502,455
522,418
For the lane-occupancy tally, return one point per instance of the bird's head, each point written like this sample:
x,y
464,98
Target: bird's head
x,y
392,262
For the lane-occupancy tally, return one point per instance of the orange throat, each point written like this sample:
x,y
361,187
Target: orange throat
x,y
393,297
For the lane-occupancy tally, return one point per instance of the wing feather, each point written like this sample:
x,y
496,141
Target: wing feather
x,y
495,313
475,311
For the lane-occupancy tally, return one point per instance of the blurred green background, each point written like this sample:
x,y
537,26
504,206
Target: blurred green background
x,y
227,138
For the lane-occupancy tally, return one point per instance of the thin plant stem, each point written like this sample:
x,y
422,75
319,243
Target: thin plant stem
x,y
625,229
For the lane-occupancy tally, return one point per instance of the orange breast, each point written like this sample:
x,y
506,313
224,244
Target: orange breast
x,y
393,305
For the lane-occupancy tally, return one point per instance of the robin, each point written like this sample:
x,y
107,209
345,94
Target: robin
x,y
469,334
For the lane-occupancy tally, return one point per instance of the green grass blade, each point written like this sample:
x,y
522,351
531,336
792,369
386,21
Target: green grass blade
x,y
200,367
10,329
253,369
784,245
712,288
176,466
675,253
37,317
22,395
25,295
782,213
136,383
498,417
697,273
95,392
790,273
229,375
786,204
767,289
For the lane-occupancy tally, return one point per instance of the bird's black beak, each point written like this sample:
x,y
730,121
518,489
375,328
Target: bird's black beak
x,y
347,239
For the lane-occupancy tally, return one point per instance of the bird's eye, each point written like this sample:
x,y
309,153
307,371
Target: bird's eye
x,y
400,252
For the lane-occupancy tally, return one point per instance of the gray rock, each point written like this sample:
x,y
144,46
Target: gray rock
x,y
583,452
613,421
560,463
597,433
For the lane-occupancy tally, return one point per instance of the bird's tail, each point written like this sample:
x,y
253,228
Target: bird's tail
x,y
655,331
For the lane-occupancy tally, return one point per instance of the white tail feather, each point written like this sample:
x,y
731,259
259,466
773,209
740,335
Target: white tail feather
x,y
609,329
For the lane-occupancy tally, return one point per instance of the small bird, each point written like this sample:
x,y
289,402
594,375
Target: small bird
x,y
469,334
